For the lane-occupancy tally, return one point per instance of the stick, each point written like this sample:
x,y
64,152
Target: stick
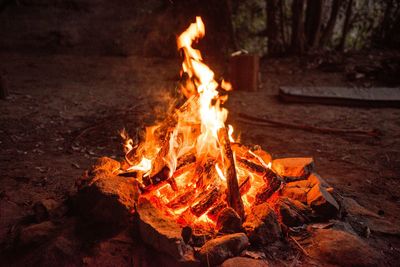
x,y
300,246
262,121
233,194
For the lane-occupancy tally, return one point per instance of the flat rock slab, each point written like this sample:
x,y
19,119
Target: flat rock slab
x,y
374,97
160,232
217,250
293,169
339,248
320,200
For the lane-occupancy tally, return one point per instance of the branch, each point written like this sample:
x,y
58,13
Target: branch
x,y
262,122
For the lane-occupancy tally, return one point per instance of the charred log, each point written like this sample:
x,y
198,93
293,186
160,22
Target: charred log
x,y
245,186
233,195
181,200
273,184
205,203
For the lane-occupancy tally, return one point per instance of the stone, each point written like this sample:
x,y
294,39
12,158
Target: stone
x,y
292,212
321,201
296,193
110,199
37,233
104,197
103,166
314,179
293,169
229,221
217,250
262,226
354,208
47,208
336,247
244,262
161,232
299,184
364,220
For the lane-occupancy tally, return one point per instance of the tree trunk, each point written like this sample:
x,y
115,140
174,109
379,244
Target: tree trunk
x,y
298,39
327,33
346,26
313,22
274,44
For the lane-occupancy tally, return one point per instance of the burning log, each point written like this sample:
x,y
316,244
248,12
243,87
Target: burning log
x,y
159,162
233,194
251,166
205,203
181,200
214,211
273,184
245,186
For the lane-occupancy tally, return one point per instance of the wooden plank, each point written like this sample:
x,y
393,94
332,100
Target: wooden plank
x,y
346,96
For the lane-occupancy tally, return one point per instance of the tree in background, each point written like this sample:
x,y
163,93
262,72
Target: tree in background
x,y
308,26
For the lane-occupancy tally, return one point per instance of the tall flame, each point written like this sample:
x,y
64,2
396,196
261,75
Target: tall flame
x,y
212,116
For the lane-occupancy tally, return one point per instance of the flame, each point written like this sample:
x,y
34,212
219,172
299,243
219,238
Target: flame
x,y
194,132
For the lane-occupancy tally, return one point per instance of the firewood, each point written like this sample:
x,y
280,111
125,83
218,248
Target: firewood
x,y
185,160
214,211
251,166
181,200
233,195
273,184
205,203
159,162
245,186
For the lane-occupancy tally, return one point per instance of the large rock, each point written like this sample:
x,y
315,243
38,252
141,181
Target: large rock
x,y
314,179
217,250
104,197
244,262
262,226
365,221
296,193
293,168
229,221
292,212
320,200
161,232
37,233
335,247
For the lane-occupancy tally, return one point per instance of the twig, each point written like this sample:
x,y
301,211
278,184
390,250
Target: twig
x,y
300,246
295,260
263,121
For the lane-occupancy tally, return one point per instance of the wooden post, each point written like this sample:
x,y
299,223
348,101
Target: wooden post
x,y
3,87
233,198
244,72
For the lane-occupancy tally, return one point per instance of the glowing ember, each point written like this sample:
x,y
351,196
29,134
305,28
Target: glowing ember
x,y
190,162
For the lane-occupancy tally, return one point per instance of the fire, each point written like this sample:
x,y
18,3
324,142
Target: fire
x,y
190,162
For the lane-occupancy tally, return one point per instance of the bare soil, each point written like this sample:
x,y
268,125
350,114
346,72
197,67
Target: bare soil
x,y
65,111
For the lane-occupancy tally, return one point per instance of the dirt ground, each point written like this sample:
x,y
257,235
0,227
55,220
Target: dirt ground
x,y
65,111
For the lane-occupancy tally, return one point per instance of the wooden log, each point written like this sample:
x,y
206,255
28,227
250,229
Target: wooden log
x,y
234,199
245,186
214,211
252,166
273,184
181,200
206,202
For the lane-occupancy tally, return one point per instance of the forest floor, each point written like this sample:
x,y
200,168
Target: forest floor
x,y
64,111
